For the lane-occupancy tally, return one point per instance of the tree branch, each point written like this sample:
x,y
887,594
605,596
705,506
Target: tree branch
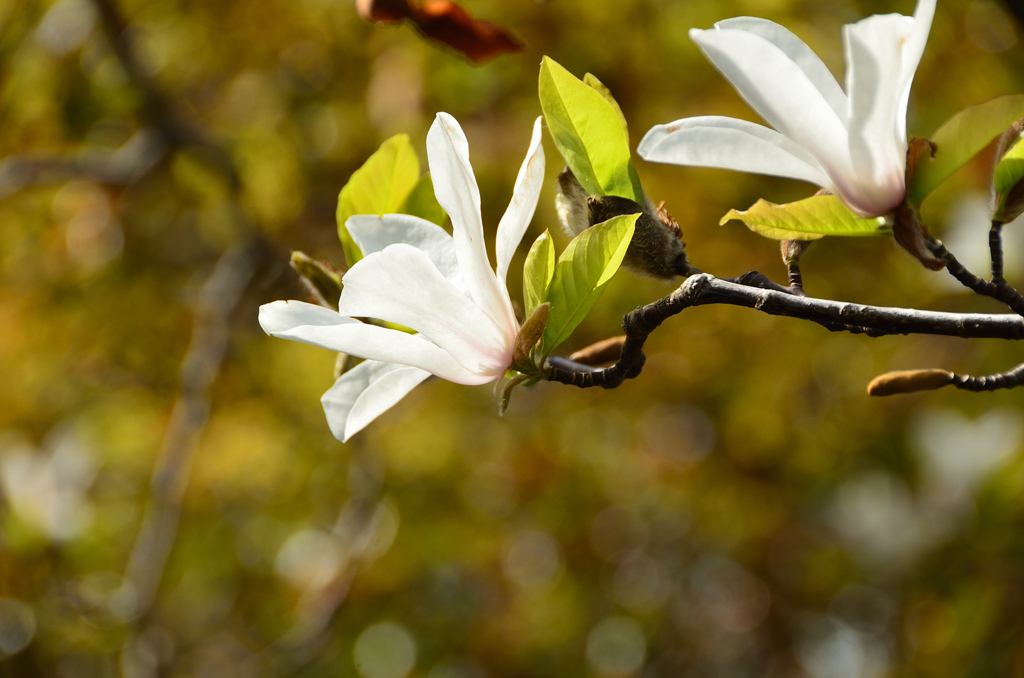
x,y
704,289
997,288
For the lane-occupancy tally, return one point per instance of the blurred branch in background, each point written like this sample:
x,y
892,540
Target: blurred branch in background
x,y
358,535
214,308
124,165
217,300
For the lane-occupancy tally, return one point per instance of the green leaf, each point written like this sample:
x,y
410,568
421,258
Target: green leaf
x,y
807,219
588,132
381,186
540,266
591,81
961,138
422,203
1008,181
1010,170
581,274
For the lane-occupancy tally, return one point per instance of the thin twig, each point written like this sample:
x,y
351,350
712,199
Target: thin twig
x,y
995,246
997,288
1009,379
704,289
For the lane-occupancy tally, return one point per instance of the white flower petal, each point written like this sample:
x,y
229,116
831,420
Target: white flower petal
x,y
913,49
365,392
364,341
728,143
877,151
802,55
281,317
373,233
520,210
456,190
780,91
401,285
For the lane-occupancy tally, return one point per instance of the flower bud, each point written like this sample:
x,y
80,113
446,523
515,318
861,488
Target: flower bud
x,y
1008,175
529,334
321,280
908,381
657,248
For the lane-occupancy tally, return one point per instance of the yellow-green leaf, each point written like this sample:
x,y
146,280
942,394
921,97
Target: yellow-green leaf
x,y
422,203
588,132
591,81
381,186
537,272
807,219
581,274
961,138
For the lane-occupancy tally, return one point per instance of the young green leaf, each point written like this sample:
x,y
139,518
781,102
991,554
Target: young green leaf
x,y
807,219
422,203
1008,183
961,138
540,266
581,274
588,132
591,81
381,186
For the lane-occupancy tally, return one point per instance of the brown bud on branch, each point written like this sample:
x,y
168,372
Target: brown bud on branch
x,y
909,381
657,248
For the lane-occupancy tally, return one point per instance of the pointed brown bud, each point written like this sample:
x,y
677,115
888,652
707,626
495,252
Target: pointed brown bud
x,y
1010,138
1010,204
321,280
530,333
792,250
908,381
657,248
913,236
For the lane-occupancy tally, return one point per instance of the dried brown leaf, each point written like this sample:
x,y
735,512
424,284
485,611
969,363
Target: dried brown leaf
x,y
446,22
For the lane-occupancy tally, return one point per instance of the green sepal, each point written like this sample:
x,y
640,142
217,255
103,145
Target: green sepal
x,y
320,279
581,274
807,219
503,387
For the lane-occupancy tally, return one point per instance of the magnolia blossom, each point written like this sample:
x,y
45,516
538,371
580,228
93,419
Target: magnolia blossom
x,y
416,275
853,143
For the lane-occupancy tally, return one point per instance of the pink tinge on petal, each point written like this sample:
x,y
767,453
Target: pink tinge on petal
x,y
873,199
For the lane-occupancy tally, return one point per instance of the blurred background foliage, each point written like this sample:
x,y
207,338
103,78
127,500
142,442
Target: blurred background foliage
x,y
173,503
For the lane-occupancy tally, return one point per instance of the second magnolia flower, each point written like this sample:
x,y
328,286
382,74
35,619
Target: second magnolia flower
x,y
416,275
852,143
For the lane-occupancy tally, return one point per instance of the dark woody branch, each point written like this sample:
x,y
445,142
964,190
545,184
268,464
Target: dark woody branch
x,y
751,291
997,288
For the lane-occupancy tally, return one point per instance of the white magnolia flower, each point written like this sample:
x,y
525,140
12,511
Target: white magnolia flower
x,y
416,275
853,143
